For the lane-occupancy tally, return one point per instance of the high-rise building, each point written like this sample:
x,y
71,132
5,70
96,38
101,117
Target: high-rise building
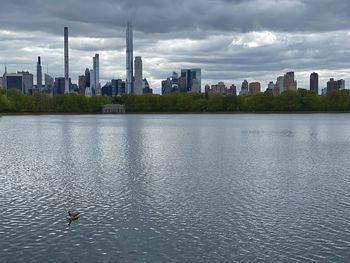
x,y
232,90
49,83
87,77
166,87
254,88
60,85
14,81
332,85
129,59
289,82
219,88
147,89
27,82
244,88
92,80
192,76
138,84
39,76
280,84
66,62
314,82
96,70
341,84
82,83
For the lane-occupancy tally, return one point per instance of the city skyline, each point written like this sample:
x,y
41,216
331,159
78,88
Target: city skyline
x,y
257,50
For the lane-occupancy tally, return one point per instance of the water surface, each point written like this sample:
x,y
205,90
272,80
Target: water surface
x,y
175,188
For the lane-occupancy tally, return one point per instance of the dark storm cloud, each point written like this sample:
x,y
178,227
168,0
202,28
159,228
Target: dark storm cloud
x,y
229,39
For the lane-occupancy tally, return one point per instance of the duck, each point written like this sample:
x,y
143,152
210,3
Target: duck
x,y
73,215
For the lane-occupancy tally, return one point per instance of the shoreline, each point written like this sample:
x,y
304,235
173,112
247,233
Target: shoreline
x,y
177,113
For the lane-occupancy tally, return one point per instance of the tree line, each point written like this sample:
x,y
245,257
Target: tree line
x,y
289,101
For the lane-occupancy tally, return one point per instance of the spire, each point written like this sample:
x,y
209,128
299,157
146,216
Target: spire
x,y
5,68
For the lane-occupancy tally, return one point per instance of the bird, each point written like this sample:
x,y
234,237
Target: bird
x,y
73,215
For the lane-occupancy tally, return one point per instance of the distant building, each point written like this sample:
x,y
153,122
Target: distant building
x,y
96,72
146,87
314,82
341,84
113,109
87,77
107,89
14,81
280,84
59,85
138,83
118,87
49,83
27,82
254,88
332,85
324,92
219,88
39,75
92,80
166,87
190,75
82,83
289,82
232,90
129,59
244,88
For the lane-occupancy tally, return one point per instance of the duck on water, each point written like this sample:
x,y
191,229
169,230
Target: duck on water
x,y
72,216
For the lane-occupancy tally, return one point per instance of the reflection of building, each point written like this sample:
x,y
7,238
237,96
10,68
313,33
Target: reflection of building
x,y
314,82
254,88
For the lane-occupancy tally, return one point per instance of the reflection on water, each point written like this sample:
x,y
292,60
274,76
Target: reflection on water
x,y
181,188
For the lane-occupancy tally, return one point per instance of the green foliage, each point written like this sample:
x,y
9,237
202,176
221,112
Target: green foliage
x,y
289,101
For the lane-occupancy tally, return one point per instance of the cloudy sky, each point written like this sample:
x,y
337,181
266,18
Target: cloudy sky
x,y
230,40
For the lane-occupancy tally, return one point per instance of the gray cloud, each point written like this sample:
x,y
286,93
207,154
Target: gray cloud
x,y
229,39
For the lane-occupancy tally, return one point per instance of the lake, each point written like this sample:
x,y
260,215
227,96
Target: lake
x,y
175,188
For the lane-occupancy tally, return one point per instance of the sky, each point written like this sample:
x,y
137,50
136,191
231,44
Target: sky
x,y
230,40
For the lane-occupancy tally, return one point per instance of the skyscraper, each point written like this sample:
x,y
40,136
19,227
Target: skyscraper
x,y
244,88
314,82
138,85
289,82
39,76
129,59
96,69
66,62
192,76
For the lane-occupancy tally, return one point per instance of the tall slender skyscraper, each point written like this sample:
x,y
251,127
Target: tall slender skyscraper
x,y
314,82
39,75
138,85
66,62
129,59
96,69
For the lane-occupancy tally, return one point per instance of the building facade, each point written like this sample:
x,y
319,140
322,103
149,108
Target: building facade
x,y
138,84
314,82
129,58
